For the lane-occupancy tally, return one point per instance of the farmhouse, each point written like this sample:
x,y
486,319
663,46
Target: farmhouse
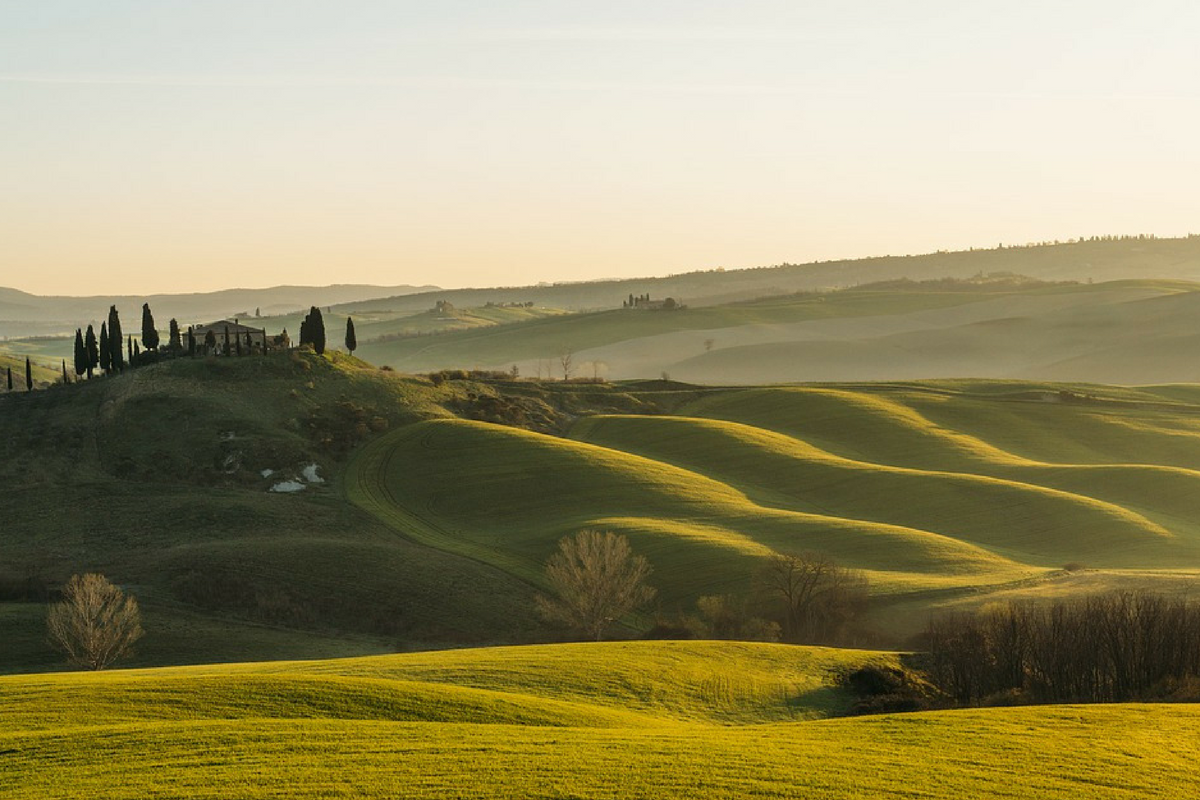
x,y
258,338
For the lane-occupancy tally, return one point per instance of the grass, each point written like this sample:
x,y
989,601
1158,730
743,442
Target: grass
x,y
646,720
433,529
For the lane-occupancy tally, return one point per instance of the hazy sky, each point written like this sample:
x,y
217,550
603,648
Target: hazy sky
x,y
184,146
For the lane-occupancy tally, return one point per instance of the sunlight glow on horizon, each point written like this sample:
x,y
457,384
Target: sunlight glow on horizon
x,y
178,147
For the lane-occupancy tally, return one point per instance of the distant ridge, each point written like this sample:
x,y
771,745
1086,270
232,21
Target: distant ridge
x,y
1105,258
52,312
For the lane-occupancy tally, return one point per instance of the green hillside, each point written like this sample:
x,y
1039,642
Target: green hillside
x,y
639,719
42,375
422,521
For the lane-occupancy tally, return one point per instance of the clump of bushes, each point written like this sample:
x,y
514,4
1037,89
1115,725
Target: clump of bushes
x,y
886,689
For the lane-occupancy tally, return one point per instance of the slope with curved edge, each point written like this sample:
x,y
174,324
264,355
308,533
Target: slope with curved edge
x,y
1021,520
505,496
1134,451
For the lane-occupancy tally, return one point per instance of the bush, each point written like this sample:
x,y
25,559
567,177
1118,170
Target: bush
x,y
885,689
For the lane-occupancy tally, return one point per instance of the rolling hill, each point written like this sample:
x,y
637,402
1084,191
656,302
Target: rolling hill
x,y
643,719
1130,332
427,507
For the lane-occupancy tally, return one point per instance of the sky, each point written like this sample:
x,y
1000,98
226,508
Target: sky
x,y
167,146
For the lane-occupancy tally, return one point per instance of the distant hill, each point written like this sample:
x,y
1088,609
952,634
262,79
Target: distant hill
x,y
1130,332
23,314
1100,260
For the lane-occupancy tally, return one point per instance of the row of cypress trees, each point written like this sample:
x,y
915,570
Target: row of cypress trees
x,y
112,352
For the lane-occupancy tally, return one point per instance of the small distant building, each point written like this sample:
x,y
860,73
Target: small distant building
x,y
237,333
643,302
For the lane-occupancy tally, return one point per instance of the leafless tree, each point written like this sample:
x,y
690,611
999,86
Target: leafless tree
x,y
566,357
818,599
1104,648
597,580
95,624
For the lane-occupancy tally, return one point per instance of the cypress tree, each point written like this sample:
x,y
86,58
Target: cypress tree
x,y
92,350
66,380
149,332
129,351
10,379
28,375
173,343
191,342
317,330
80,354
105,355
136,358
114,339
249,343
238,339
351,339
210,341
227,348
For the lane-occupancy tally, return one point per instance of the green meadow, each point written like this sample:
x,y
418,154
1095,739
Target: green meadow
x,y
638,719
430,525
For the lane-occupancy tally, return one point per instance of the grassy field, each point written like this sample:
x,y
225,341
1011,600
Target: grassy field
x,y
431,526
942,493
643,719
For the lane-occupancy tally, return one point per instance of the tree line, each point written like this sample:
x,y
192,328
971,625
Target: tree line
x,y
1111,647
112,351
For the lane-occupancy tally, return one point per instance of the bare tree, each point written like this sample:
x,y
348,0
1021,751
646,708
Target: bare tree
x,y
566,357
597,580
95,624
817,598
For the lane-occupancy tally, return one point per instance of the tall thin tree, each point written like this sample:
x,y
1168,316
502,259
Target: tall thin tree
x,y
351,339
92,349
105,354
317,330
28,375
149,332
80,353
10,379
66,380
191,342
115,343
173,342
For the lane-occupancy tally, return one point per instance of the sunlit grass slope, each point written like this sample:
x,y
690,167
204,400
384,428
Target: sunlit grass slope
x,y
506,496
636,720
950,487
